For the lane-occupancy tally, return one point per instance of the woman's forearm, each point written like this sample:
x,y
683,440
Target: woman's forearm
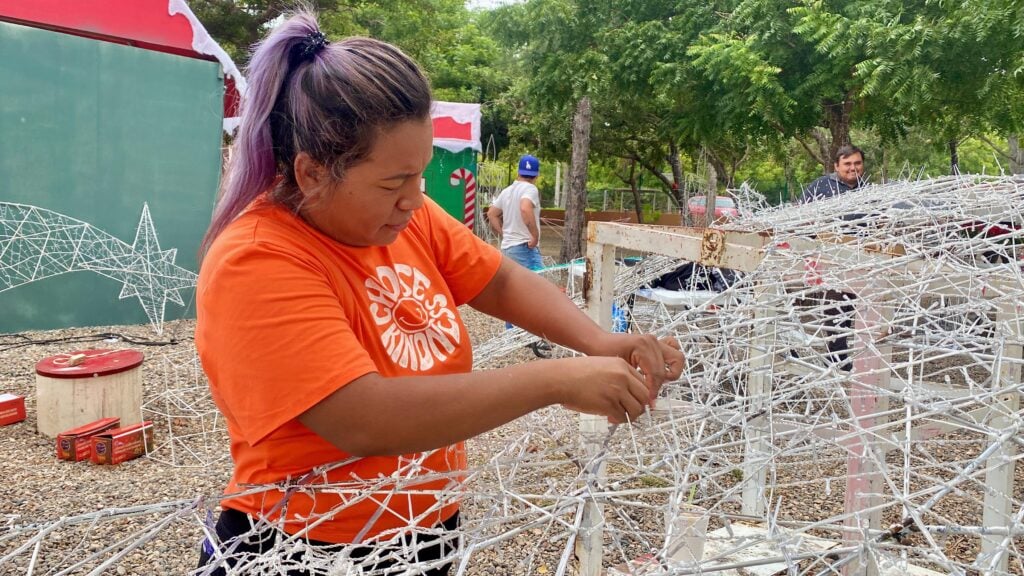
x,y
531,302
528,300
375,416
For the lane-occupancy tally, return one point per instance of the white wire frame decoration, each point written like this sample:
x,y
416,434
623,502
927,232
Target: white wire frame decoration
x,y
36,243
768,456
930,276
189,429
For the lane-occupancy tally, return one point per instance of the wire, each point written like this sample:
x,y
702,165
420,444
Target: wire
x,y
20,340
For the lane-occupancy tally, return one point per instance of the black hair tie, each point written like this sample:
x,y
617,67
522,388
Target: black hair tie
x,y
311,45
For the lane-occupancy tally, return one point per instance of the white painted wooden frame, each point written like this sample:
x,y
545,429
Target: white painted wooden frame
x,y
745,251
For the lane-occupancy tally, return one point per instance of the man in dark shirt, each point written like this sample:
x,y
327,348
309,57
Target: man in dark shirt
x,y
849,169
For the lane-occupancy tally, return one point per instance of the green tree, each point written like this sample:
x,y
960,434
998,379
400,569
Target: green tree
x,y
646,113
950,68
439,34
238,24
661,108
771,74
562,68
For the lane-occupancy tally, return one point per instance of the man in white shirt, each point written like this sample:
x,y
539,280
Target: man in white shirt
x,y
515,216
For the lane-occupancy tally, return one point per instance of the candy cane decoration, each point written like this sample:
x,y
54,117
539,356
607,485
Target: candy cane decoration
x,y
458,175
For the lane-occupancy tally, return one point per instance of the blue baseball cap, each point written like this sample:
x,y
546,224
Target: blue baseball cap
x,y
529,165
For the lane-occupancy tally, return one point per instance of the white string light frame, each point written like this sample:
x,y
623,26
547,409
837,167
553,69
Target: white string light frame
x,y
866,246
189,429
36,243
760,433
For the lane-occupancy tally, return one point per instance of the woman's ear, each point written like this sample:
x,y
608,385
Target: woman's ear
x,y
310,175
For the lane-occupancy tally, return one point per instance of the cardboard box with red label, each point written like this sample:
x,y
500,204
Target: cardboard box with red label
x,y
120,444
76,444
12,409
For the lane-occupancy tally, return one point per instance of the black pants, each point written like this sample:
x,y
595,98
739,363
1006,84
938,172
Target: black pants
x,y
839,322
234,525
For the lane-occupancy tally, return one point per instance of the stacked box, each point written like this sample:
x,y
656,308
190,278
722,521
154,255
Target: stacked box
x,y
120,444
12,409
76,444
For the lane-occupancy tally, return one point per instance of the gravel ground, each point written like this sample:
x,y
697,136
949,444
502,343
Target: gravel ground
x,y
41,490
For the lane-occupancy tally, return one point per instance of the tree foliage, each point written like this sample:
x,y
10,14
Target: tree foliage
x,y
756,89
238,24
949,68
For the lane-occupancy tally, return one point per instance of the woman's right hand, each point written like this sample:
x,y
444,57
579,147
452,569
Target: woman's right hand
x,y
602,385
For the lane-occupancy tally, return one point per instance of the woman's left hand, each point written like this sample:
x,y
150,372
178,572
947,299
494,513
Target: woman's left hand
x,y
659,361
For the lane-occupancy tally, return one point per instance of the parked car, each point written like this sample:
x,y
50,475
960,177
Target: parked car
x,y
725,206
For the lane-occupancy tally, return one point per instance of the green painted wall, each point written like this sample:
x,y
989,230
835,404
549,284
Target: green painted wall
x,y
92,130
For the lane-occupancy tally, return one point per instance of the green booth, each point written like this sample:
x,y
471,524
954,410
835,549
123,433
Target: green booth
x,y
450,179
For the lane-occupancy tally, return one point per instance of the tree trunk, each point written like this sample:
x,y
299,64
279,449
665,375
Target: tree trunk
x,y
637,201
819,153
723,175
1016,155
678,190
558,184
576,199
837,115
711,196
792,187
954,157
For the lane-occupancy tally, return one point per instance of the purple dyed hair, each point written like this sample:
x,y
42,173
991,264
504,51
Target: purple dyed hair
x,y
331,105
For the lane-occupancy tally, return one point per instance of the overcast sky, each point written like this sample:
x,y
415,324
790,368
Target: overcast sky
x,y
488,3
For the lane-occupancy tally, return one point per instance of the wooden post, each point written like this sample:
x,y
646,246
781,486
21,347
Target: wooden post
x,y
598,292
868,395
757,446
558,184
565,187
711,197
997,511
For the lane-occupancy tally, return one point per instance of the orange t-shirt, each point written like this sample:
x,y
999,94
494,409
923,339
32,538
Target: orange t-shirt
x,y
286,316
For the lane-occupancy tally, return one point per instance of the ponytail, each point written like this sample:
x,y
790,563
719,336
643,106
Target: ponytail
x,y
329,100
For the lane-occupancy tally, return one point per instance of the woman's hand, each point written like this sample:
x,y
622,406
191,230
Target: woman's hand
x,y
659,361
601,385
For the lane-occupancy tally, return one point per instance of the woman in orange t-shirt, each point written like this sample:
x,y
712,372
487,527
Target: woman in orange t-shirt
x,y
328,321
